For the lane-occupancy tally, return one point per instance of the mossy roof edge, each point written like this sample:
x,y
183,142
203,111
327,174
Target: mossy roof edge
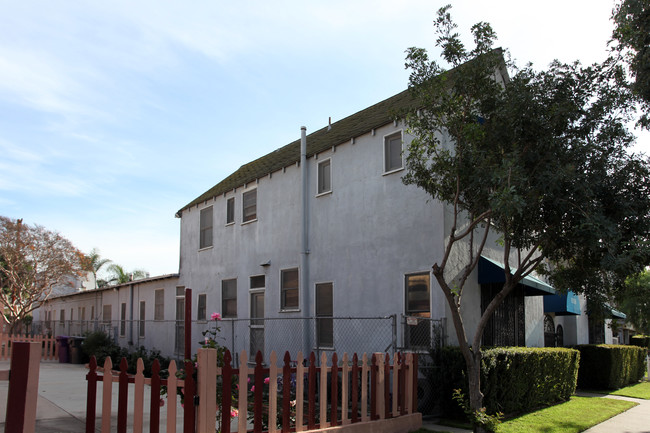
x,y
341,132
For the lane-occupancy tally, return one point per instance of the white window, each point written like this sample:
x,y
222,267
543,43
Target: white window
x,y
249,206
206,228
393,152
142,319
201,306
325,176
229,298
230,210
107,314
159,305
289,289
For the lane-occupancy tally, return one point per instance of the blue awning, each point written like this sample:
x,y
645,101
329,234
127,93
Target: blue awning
x,y
490,271
617,314
562,304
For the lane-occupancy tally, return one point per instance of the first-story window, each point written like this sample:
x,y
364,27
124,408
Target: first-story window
x,y
142,319
205,239
123,319
229,298
324,313
249,206
289,289
393,152
418,304
107,314
62,316
201,306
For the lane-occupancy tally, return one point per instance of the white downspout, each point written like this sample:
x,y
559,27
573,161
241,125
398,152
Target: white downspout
x,y
304,242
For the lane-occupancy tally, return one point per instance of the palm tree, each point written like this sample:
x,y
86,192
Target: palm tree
x,y
94,263
118,275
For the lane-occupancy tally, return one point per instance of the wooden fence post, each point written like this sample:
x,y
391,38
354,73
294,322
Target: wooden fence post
x,y
207,390
23,388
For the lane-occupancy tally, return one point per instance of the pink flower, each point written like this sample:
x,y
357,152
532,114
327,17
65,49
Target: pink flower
x,y
249,380
215,316
162,402
253,388
234,413
266,381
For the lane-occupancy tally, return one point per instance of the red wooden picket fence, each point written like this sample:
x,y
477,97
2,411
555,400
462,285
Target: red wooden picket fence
x,y
297,395
48,345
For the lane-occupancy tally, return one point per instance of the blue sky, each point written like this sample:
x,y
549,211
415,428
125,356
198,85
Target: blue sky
x,y
115,114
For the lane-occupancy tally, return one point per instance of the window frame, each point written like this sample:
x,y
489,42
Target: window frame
x,y
230,211
141,318
123,319
321,187
159,307
324,321
284,290
224,300
109,308
205,229
201,307
247,218
388,169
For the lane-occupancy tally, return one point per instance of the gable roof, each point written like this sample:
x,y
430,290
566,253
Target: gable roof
x,y
340,132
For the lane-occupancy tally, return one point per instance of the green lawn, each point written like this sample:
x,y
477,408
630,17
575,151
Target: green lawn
x,y
640,390
576,415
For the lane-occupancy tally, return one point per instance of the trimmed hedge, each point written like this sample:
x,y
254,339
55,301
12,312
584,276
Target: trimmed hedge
x,y
606,366
513,379
640,340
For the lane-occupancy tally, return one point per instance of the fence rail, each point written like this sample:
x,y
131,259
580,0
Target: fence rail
x,y
293,395
48,345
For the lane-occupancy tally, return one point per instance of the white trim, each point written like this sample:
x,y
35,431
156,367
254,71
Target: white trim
x,y
383,146
318,164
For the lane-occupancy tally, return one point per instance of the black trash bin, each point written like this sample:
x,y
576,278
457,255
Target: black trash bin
x,y
63,349
76,353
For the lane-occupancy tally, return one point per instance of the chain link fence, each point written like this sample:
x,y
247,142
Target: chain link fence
x,y
329,335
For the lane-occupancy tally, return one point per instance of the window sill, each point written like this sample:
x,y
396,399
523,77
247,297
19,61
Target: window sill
x,y
249,222
296,310
324,193
230,224
206,248
386,173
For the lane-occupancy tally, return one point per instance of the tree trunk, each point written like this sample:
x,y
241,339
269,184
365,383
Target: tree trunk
x,y
475,394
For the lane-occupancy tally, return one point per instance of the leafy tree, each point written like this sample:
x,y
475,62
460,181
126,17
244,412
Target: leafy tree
x,y
634,301
93,263
118,275
631,38
538,159
33,260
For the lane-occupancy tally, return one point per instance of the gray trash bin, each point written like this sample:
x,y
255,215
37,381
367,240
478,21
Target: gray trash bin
x,y
76,353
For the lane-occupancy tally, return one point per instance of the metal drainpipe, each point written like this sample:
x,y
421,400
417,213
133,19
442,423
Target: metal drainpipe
x,y
131,316
304,237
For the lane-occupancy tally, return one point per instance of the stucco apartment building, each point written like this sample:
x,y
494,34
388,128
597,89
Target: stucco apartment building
x,y
320,245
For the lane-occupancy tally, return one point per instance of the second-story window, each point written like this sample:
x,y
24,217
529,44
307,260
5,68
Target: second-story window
x,y
206,228
324,176
249,207
201,307
393,152
230,210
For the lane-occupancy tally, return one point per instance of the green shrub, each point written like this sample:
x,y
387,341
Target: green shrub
x,y
513,379
641,341
606,366
101,345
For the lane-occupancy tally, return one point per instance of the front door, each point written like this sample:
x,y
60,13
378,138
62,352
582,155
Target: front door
x,y
179,345
257,324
